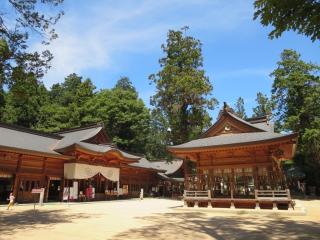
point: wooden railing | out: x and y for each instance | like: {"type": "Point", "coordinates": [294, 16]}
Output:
{"type": "Point", "coordinates": [197, 195]}
{"type": "Point", "coordinates": [273, 195]}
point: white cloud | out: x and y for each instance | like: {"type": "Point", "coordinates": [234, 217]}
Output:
{"type": "Point", "coordinates": [89, 36]}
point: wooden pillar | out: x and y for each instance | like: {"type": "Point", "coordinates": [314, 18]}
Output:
{"type": "Point", "coordinates": [46, 191]}
{"type": "Point", "coordinates": [16, 186]}
{"type": "Point", "coordinates": [198, 173]}
{"type": "Point", "coordinates": [185, 173]}
{"type": "Point", "coordinates": [45, 180]}
{"type": "Point", "coordinates": [17, 177]}
{"type": "Point", "coordinates": [255, 177]}
{"type": "Point", "coordinates": [232, 184]}
{"type": "Point", "coordinates": [61, 188]}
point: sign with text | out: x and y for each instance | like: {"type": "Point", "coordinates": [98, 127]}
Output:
{"type": "Point", "coordinates": [37, 190]}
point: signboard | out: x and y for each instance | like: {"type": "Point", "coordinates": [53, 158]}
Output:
{"type": "Point", "coordinates": [37, 190]}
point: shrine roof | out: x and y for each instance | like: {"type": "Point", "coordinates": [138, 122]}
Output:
{"type": "Point", "coordinates": [226, 140]}
{"type": "Point", "coordinates": [20, 138]}
{"type": "Point", "coordinates": [97, 148]}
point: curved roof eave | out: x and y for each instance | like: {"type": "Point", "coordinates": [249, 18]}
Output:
{"type": "Point", "coordinates": [244, 144]}
{"type": "Point", "coordinates": [80, 146]}
{"type": "Point", "coordinates": [203, 135]}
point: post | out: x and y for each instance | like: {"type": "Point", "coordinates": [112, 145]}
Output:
{"type": "Point", "coordinates": [209, 198]}
{"type": "Point", "coordinates": [118, 187]}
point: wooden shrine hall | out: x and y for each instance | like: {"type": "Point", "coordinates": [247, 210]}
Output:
{"type": "Point", "coordinates": [237, 163]}
{"type": "Point", "coordinates": [75, 164]}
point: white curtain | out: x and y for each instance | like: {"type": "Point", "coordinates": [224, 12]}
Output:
{"type": "Point", "coordinates": [85, 171]}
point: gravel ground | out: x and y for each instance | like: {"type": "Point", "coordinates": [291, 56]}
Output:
{"type": "Point", "coordinates": [151, 219]}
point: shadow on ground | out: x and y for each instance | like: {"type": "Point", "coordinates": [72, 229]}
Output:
{"type": "Point", "coordinates": [199, 226]}
{"type": "Point", "coordinates": [11, 221]}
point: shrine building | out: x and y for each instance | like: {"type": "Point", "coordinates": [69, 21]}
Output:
{"type": "Point", "coordinates": [75, 164]}
{"type": "Point", "coordinates": [237, 163]}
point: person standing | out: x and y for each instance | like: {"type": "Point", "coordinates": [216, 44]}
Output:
{"type": "Point", "coordinates": [11, 201]}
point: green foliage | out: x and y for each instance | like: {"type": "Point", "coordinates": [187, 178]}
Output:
{"type": "Point", "coordinates": [182, 89]}
{"type": "Point", "coordinates": [24, 99]}
{"type": "Point", "coordinates": [26, 17]}
{"type": "Point", "coordinates": [158, 137]}
{"type": "Point", "coordinates": [239, 109]}
{"type": "Point", "coordinates": [296, 97]}
{"type": "Point", "coordinates": [66, 106]}
{"type": "Point", "coordinates": [302, 16]}
{"type": "Point", "coordinates": [264, 106]}
{"type": "Point", "coordinates": [124, 114]}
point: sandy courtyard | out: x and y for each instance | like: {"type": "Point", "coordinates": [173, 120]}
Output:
{"type": "Point", "coordinates": [151, 219]}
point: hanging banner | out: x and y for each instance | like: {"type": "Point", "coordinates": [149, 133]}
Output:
{"type": "Point", "coordinates": [65, 195]}
{"type": "Point", "coordinates": [75, 190]}
{"type": "Point", "coordinates": [85, 171]}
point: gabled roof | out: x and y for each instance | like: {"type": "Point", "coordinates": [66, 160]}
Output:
{"type": "Point", "coordinates": [164, 168]}
{"type": "Point", "coordinates": [229, 140]}
{"type": "Point", "coordinates": [169, 167]}
{"type": "Point", "coordinates": [227, 116]}
{"type": "Point", "coordinates": [80, 135]}
{"type": "Point", "coordinates": [27, 140]}
{"type": "Point", "coordinates": [99, 149]}
{"type": "Point", "coordinates": [24, 139]}
{"type": "Point", "coordinates": [231, 131]}
{"type": "Point", "coordinates": [144, 163]}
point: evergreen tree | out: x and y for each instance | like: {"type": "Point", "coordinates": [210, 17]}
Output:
{"type": "Point", "coordinates": [264, 106]}
{"type": "Point", "coordinates": [124, 114]}
{"type": "Point", "coordinates": [302, 16]}
{"type": "Point", "coordinates": [239, 109]}
{"type": "Point", "coordinates": [25, 18]}
{"type": "Point", "coordinates": [182, 89]}
{"type": "Point", "coordinates": [296, 95]}
{"type": "Point", "coordinates": [24, 100]}
{"type": "Point", "coordinates": [66, 106]}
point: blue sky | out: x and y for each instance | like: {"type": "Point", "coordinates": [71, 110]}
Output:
{"type": "Point", "coordinates": [104, 40]}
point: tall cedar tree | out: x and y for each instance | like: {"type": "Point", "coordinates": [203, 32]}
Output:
{"type": "Point", "coordinates": [182, 89]}
{"type": "Point", "coordinates": [239, 108]}
{"type": "Point", "coordinates": [296, 95]}
{"type": "Point", "coordinates": [302, 16]}
{"type": "Point", "coordinates": [264, 106]}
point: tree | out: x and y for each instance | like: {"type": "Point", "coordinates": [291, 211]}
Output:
{"type": "Point", "coordinates": [124, 114]}
{"type": "Point", "coordinates": [24, 99]}
{"type": "Point", "coordinates": [28, 17]}
{"type": "Point", "coordinates": [296, 95]}
{"type": "Point", "coordinates": [158, 138]}
{"type": "Point", "coordinates": [66, 105]}
{"type": "Point", "coordinates": [239, 108]}
{"type": "Point", "coordinates": [182, 89]}
{"type": "Point", "coordinates": [125, 84]}
{"type": "Point", "coordinates": [302, 16]}
{"type": "Point", "coordinates": [264, 106]}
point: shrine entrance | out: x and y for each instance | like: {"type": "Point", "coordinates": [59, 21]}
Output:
{"type": "Point", "coordinates": [6, 185]}
{"type": "Point", "coordinates": [54, 190]}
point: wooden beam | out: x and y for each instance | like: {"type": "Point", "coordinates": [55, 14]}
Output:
{"type": "Point", "coordinates": [242, 165]}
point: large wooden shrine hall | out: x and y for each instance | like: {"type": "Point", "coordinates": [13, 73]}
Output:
{"type": "Point", "coordinates": [75, 164]}
{"type": "Point", "coordinates": [237, 163]}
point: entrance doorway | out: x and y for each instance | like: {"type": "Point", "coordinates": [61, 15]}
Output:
{"type": "Point", "coordinates": [6, 185]}
{"type": "Point", "coordinates": [54, 190]}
